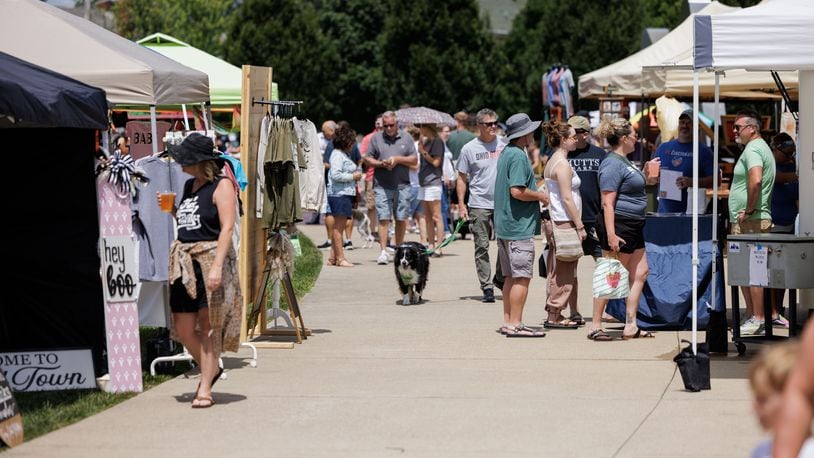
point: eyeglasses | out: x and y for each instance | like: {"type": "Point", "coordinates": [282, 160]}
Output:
{"type": "Point", "coordinates": [389, 125]}
{"type": "Point", "coordinates": [738, 128]}
{"type": "Point", "coordinates": [489, 124]}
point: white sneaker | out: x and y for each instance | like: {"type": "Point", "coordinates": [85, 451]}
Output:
{"type": "Point", "coordinates": [752, 327]}
{"type": "Point", "coordinates": [383, 258]}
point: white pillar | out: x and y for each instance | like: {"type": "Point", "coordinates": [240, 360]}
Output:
{"type": "Point", "coordinates": [805, 160]}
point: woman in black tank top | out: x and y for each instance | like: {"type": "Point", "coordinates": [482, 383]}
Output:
{"type": "Point", "coordinates": [206, 218]}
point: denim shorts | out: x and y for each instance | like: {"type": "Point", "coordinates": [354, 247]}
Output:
{"type": "Point", "coordinates": [341, 205]}
{"type": "Point", "coordinates": [390, 200]}
{"type": "Point", "coordinates": [415, 205]}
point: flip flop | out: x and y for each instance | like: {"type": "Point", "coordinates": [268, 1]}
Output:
{"type": "Point", "coordinates": [599, 335]}
{"type": "Point", "coordinates": [203, 402]}
{"type": "Point", "coordinates": [565, 323]}
{"type": "Point", "coordinates": [577, 318]}
{"type": "Point", "coordinates": [524, 331]}
{"type": "Point", "coordinates": [639, 335]}
{"type": "Point", "coordinates": [343, 263]}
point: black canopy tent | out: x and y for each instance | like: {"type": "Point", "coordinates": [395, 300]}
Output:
{"type": "Point", "coordinates": [52, 292]}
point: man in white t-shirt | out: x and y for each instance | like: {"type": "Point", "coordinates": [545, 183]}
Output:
{"type": "Point", "coordinates": [477, 166]}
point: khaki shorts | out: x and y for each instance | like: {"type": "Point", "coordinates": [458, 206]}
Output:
{"type": "Point", "coordinates": [516, 257]}
{"type": "Point", "coordinates": [370, 199]}
{"type": "Point", "coordinates": [752, 226]}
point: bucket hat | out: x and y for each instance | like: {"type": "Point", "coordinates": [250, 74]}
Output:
{"type": "Point", "coordinates": [194, 149]}
{"type": "Point", "coordinates": [520, 124]}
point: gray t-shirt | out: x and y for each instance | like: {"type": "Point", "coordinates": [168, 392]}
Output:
{"type": "Point", "coordinates": [154, 227]}
{"type": "Point", "coordinates": [479, 161]}
{"type": "Point", "coordinates": [383, 147]}
{"type": "Point", "coordinates": [617, 174]}
{"type": "Point", "coordinates": [427, 174]}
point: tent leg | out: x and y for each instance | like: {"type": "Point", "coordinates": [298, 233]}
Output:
{"type": "Point", "coordinates": [695, 213]}
{"type": "Point", "coordinates": [154, 129]}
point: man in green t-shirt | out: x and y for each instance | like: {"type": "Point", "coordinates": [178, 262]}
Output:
{"type": "Point", "coordinates": [750, 200]}
{"type": "Point", "coordinates": [460, 137]}
{"type": "Point", "coordinates": [517, 220]}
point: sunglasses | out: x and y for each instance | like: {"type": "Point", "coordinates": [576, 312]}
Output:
{"type": "Point", "coordinates": [389, 125]}
{"type": "Point", "coordinates": [580, 131]}
{"type": "Point", "coordinates": [489, 124]}
{"type": "Point", "coordinates": [737, 128]}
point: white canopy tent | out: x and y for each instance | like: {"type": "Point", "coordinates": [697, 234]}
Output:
{"type": "Point", "coordinates": [130, 74]}
{"type": "Point", "coordinates": [728, 41]}
{"type": "Point", "coordinates": [649, 71]}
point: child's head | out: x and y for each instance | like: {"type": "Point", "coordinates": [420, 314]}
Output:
{"type": "Point", "coordinates": [767, 376]}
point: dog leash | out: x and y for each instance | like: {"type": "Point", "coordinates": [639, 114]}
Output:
{"type": "Point", "coordinates": [449, 239]}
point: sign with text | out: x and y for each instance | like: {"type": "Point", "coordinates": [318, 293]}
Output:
{"type": "Point", "coordinates": [48, 370]}
{"type": "Point", "coordinates": [141, 137]}
{"type": "Point", "coordinates": [119, 269]}
{"type": "Point", "coordinates": [11, 422]}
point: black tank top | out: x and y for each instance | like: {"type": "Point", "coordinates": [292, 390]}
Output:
{"type": "Point", "coordinates": [197, 215]}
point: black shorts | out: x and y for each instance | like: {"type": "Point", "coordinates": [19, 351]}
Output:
{"type": "Point", "coordinates": [180, 302]}
{"type": "Point", "coordinates": [590, 246]}
{"type": "Point", "coordinates": [627, 229]}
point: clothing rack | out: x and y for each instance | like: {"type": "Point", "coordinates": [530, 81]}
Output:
{"type": "Point", "coordinates": [284, 108]}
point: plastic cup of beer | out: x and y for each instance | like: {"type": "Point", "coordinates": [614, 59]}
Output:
{"type": "Point", "coordinates": [654, 168]}
{"type": "Point", "coordinates": [166, 201]}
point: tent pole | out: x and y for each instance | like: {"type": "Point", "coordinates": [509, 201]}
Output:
{"type": "Point", "coordinates": [695, 212]}
{"type": "Point", "coordinates": [154, 129]}
{"type": "Point", "coordinates": [186, 120]}
{"type": "Point", "coordinates": [715, 185]}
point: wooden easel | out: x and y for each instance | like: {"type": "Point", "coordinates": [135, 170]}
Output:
{"type": "Point", "coordinates": [258, 310]}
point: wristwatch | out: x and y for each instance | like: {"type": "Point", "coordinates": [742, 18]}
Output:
{"type": "Point", "coordinates": [750, 212]}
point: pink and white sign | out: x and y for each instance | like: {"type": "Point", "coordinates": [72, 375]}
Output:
{"type": "Point", "coordinates": [121, 318]}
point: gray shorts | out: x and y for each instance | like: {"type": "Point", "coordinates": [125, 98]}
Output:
{"type": "Point", "coordinates": [516, 257]}
{"type": "Point", "coordinates": [390, 200]}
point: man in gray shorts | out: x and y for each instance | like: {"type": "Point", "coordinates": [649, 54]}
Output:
{"type": "Point", "coordinates": [391, 153]}
{"type": "Point", "coordinates": [517, 220]}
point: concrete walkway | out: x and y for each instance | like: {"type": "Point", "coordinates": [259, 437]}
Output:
{"type": "Point", "coordinates": [379, 379]}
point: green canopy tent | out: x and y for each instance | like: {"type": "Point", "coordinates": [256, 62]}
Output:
{"type": "Point", "coordinates": [225, 79]}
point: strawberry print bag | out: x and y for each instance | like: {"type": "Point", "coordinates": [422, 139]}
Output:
{"type": "Point", "coordinates": [610, 279]}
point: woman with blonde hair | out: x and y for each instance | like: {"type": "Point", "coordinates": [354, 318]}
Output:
{"type": "Point", "coordinates": [621, 224]}
{"type": "Point", "coordinates": [205, 294]}
{"type": "Point", "coordinates": [431, 150]}
{"type": "Point", "coordinates": [565, 208]}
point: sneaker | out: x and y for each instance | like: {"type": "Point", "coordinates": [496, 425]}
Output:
{"type": "Point", "coordinates": [327, 244]}
{"type": "Point", "coordinates": [383, 258]}
{"type": "Point", "coordinates": [391, 248]}
{"type": "Point", "coordinates": [348, 245]}
{"type": "Point", "coordinates": [488, 295]}
{"type": "Point", "coordinates": [780, 322]}
{"type": "Point", "coordinates": [752, 327]}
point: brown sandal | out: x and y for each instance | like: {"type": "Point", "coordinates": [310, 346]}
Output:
{"type": "Point", "coordinates": [200, 400]}
{"type": "Point", "coordinates": [599, 335]}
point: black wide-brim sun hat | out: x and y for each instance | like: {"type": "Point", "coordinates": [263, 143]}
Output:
{"type": "Point", "coordinates": [194, 149]}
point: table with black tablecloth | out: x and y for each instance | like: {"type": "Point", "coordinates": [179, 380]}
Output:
{"type": "Point", "coordinates": [666, 300]}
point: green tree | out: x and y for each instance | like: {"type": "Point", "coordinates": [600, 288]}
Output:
{"type": "Point", "coordinates": [353, 28]}
{"type": "Point", "coordinates": [286, 35]}
{"type": "Point", "coordinates": [201, 23]}
{"type": "Point", "coordinates": [664, 13]}
{"type": "Point", "coordinates": [437, 54]}
{"type": "Point", "coordinates": [583, 34]}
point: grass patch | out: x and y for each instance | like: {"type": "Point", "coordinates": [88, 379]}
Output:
{"type": "Point", "coordinates": [306, 271]}
{"type": "Point", "coordinates": [46, 411]}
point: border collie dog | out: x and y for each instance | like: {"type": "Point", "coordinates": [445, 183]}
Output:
{"type": "Point", "coordinates": [412, 265]}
